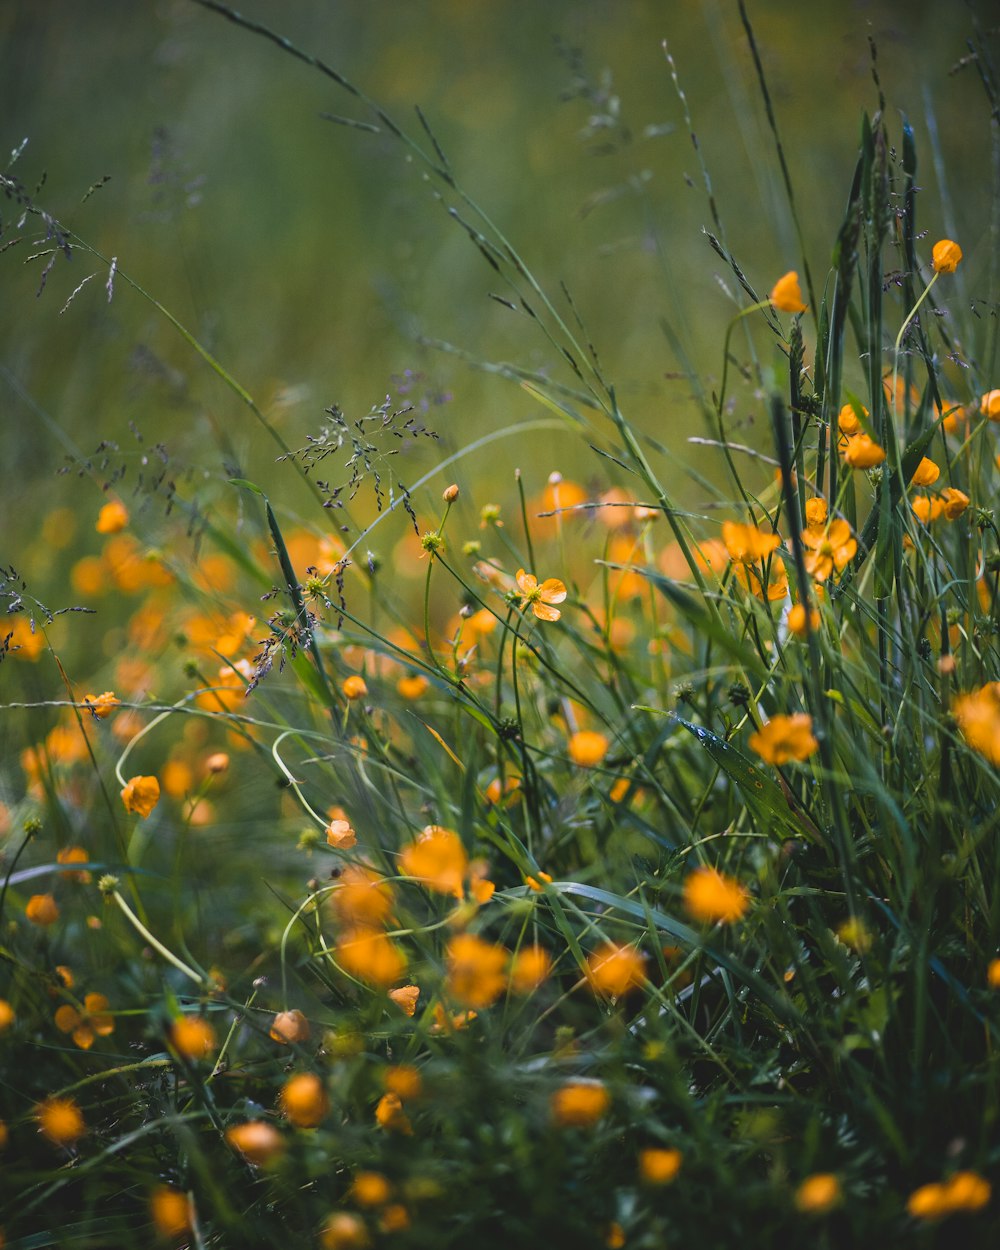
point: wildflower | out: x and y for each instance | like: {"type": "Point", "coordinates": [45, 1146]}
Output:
{"type": "Point", "coordinates": [112, 518]}
{"type": "Point", "coordinates": [926, 509]}
{"type": "Point", "coordinates": [540, 597]}
{"type": "Point", "coordinates": [395, 1218]}
{"type": "Point", "coordinates": [777, 580]}
{"type": "Point", "coordinates": [141, 795]}
{"type": "Point", "coordinates": [170, 1210]}
{"type": "Point", "coordinates": [60, 1120]}
{"type": "Point", "coordinates": [412, 686]}
{"type": "Point", "coordinates": [992, 977]}
{"type": "Point", "coordinates": [102, 705]}
{"type": "Point", "coordinates": [978, 716]}
{"type": "Point", "coordinates": [257, 1141]}
{"type": "Point", "coordinates": [193, 1037]}
{"type": "Point", "coordinates": [579, 1104]}
{"type": "Point", "coordinates": [848, 422]}
{"type": "Point", "coordinates": [587, 748]}
{"type": "Point", "coordinates": [854, 933]}
{"type": "Point", "coordinates": [362, 898]}
{"type": "Point", "coordinates": [403, 1080]}
{"type": "Point", "coordinates": [506, 794]}
{"type": "Point", "coordinates": [371, 1189]}
{"type": "Point", "coordinates": [437, 859]}
{"type": "Point", "coordinates": [816, 512]}
{"type": "Point", "coordinates": [445, 1023]}
{"type": "Point", "coordinates": [989, 405]}
{"type": "Point", "coordinates": [290, 1026]}
{"type": "Point", "coordinates": [489, 515]}
{"type": "Point", "coordinates": [303, 1100]}
{"type": "Point", "coordinates": [344, 1231]}
{"type": "Point", "coordinates": [945, 256]}
{"type": "Point", "coordinates": [954, 502]}
{"type": "Point", "coordinates": [475, 970]}
{"type": "Point", "coordinates": [659, 1166]}
{"type": "Point", "coordinates": [7, 1015]}
{"type": "Point", "coordinates": [389, 1114]}
{"type": "Point", "coordinates": [861, 452]}
{"type": "Point", "coordinates": [87, 1025]}
{"type": "Point", "coordinates": [785, 738]}
{"type": "Point", "coordinates": [531, 967]}
{"type": "Point", "coordinates": [614, 1236]}
{"type": "Point", "coordinates": [339, 834]}
{"type": "Point", "coordinates": [354, 687]}
{"type": "Point", "coordinates": [926, 473]}
{"type": "Point", "coordinates": [797, 621]}
{"type": "Point", "coordinates": [713, 898]}
{"type": "Point", "coordinates": [450, 493]}
{"type": "Point", "coordinates": [786, 294]}
{"type": "Point", "coordinates": [74, 855]}
{"type": "Point", "coordinates": [42, 909]}
{"type": "Point", "coordinates": [964, 1191]}
{"type": "Point", "coordinates": [746, 543]}
{"type": "Point", "coordinates": [818, 1194]}
{"type": "Point", "coordinates": [217, 762]}
{"type": "Point", "coordinates": [370, 955]}
{"type": "Point", "coordinates": [830, 548]}
{"type": "Point", "coordinates": [432, 543]}
{"type": "Point", "coordinates": [405, 998]}
{"type": "Point", "coordinates": [614, 969]}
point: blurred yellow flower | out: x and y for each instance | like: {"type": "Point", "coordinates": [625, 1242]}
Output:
{"type": "Point", "coordinates": [437, 859]}
{"type": "Point", "coordinates": [343, 1230]}
{"type": "Point", "coordinates": [257, 1141]}
{"type": "Point", "coordinates": [112, 518]}
{"type": "Point", "coordinates": [785, 738]}
{"type": "Point", "coordinates": [531, 967]}
{"type": "Point", "coordinates": [7, 1015]}
{"type": "Point", "coordinates": [746, 543]}
{"type": "Point", "coordinates": [102, 705]}
{"type": "Point", "coordinates": [304, 1100]}
{"type": "Point", "coordinates": [818, 1193]}
{"type": "Point", "coordinates": [403, 1080]}
{"type": "Point", "coordinates": [370, 1189]}
{"type": "Point", "coordinates": [964, 1191]}
{"type": "Point", "coordinates": [861, 452]}
{"type": "Point", "coordinates": [614, 970]}
{"type": "Point", "coordinates": [193, 1037]}
{"type": "Point", "coordinates": [786, 294]}
{"type": "Point", "coordinates": [993, 974]}
{"type": "Point", "coordinates": [658, 1165]}
{"type": "Point", "coordinates": [60, 1120]}
{"type": "Point", "coordinates": [713, 898]}
{"type": "Point", "coordinates": [87, 1025]}
{"type": "Point", "coordinates": [290, 1027]}
{"type": "Point", "coordinates": [141, 795]}
{"type": "Point", "coordinates": [389, 1114]}
{"type": "Point", "coordinates": [371, 956]}
{"type": "Point", "coordinates": [42, 909]}
{"type": "Point", "coordinates": [978, 716]}
{"type": "Point", "coordinates": [579, 1104]}
{"type": "Point", "coordinates": [540, 597]}
{"type": "Point", "coordinates": [361, 898]}
{"type": "Point", "coordinates": [816, 511]}
{"type": "Point", "coordinates": [475, 971]}
{"type": "Point", "coordinates": [405, 998]}
{"type": "Point", "coordinates": [339, 834]}
{"type": "Point", "coordinates": [587, 748]}
{"type": "Point", "coordinates": [354, 687]}
{"type": "Point", "coordinates": [989, 405]}
{"type": "Point", "coordinates": [170, 1210]}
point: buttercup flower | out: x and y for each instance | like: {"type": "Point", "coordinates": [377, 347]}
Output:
{"type": "Point", "coordinates": [304, 1100]}
{"type": "Point", "coordinates": [785, 738]}
{"type": "Point", "coordinates": [102, 705]}
{"type": "Point", "coordinates": [945, 256]}
{"type": "Point", "coordinates": [798, 623]}
{"type": "Point", "coordinates": [659, 1166]}
{"type": "Point", "coordinates": [848, 422]}
{"type": "Point", "coordinates": [816, 511]}
{"type": "Point", "coordinates": [978, 716]}
{"type": "Point", "coordinates": [714, 898]}
{"type": "Point", "coordinates": [60, 1120]}
{"type": "Point", "coordinates": [861, 452]}
{"type": "Point", "coordinates": [354, 687]}
{"type": "Point", "coordinates": [964, 1191]}
{"type": "Point", "coordinates": [614, 969]}
{"type": "Point", "coordinates": [389, 1114]}
{"type": "Point", "coordinates": [541, 597]}
{"type": "Point", "coordinates": [579, 1104]}
{"type": "Point", "coordinates": [989, 405]}
{"type": "Point", "coordinates": [818, 1193]}
{"type": "Point", "coordinates": [475, 971]}
{"type": "Point", "coordinates": [405, 998]}
{"type": "Point", "coordinates": [7, 1015]}
{"type": "Point", "coordinates": [141, 795]}
{"type": "Point", "coordinates": [371, 1189]}
{"type": "Point", "coordinates": [926, 473]}
{"type": "Point", "coordinates": [786, 294]}
{"type": "Point", "coordinates": [42, 909]}
{"type": "Point", "coordinates": [257, 1141]}
{"type": "Point", "coordinates": [403, 1080]}
{"type": "Point", "coordinates": [587, 748]}
{"type": "Point", "coordinates": [112, 518]}
{"type": "Point", "coordinates": [926, 509]}
{"type": "Point", "coordinates": [170, 1210]}
{"type": "Point", "coordinates": [746, 543]}
{"type": "Point", "coordinates": [437, 859]}
{"type": "Point", "coordinates": [344, 1231]}
{"type": "Point", "coordinates": [370, 955]}
{"type": "Point", "coordinates": [193, 1037]}
{"type": "Point", "coordinates": [830, 548]}
{"type": "Point", "coordinates": [532, 966]}
{"type": "Point", "coordinates": [954, 502]}
{"type": "Point", "coordinates": [361, 898]}
{"type": "Point", "coordinates": [87, 1025]}
{"type": "Point", "coordinates": [993, 974]}
{"type": "Point", "coordinates": [340, 835]}
{"type": "Point", "coordinates": [290, 1026]}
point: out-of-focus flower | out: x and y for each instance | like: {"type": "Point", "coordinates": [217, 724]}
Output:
{"type": "Point", "coordinates": [963, 1191]}
{"type": "Point", "coordinates": [786, 294]}
{"type": "Point", "coordinates": [170, 1210]}
{"type": "Point", "coordinates": [304, 1100]}
{"type": "Point", "coordinates": [193, 1037]}
{"type": "Point", "coordinates": [112, 518]}
{"type": "Point", "coordinates": [989, 405]}
{"type": "Point", "coordinates": [531, 967]}
{"type": "Point", "coordinates": [389, 1114]}
{"type": "Point", "coordinates": [339, 834]}
{"type": "Point", "coordinates": [141, 795]}
{"type": "Point", "coordinates": [818, 1194]}
{"type": "Point", "coordinates": [405, 998]}
{"type": "Point", "coordinates": [713, 898]}
{"type": "Point", "coordinates": [42, 909]}
{"type": "Point", "coordinates": [87, 1025]}
{"type": "Point", "coordinates": [101, 705]}
{"type": "Point", "coordinates": [659, 1165]}
{"type": "Point", "coordinates": [437, 859]}
{"type": "Point", "coordinates": [257, 1141]}
{"type": "Point", "coordinates": [785, 738]}
{"type": "Point", "coordinates": [587, 748]}
{"type": "Point", "coordinates": [579, 1104]}
{"type": "Point", "coordinates": [371, 956]}
{"type": "Point", "coordinates": [614, 969]}
{"type": "Point", "coordinates": [354, 687]}
{"type": "Point", "coordinates": [978, 716]}
{"type": "Point", "coordinates": [475, 971]}
{"type": "Point", "coordinates": [343, 1230]}
{"type": "Point", "coordinates": [290, 1027]}
{"type": "Point", "coordinates": [746, 543]}
{"type": "Point", "coordinates": [60, 1120]}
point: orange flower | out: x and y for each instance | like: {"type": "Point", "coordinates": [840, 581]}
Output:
{"type": "Point", "coordinates": [403, 1080]}
{"type": "Point", "coordinates": [989, 405]}
{"type": "Point", "coordinates": [475, 971]}
{"type": "Point", "coordinates": [714, 898]}
{"type": "Point", "coordinates": [785, 738]}
{"type": "Point", "coordinates": [777, 579]}
{"type": "Point", "coordinates": [818, 1194]}
{"type": "Point", "coordinates": [926, 473]}
{"type": "Point", "coordinates": [389, 1114]}
{"type": "Point", "coordinates": [303, 1100]}
{"type": "Point", "coordinates": [848, 422]}
{"type": "Point", "coordinates": [540, 597]}
{"type": "Point", "coordinates": [659, 1166]}
{"type": "Point", "coordinates": [614, 969]}
{"type": "Point", "coordinates": [964, 1191]}
{"type": "Point", "coordinates": [993, 974]}
{"type": "Point", "coordinates": [257, 1141]}
{"type": "Point", "coordinates": [412, 686]}
{"type": "Point", "coordinates": [112, 518]}
{"type": "Point", "coordinates": [579, 1104]}
{"type": "Point", "coordinates": [532, 966]}
{"type": "Point", "coordinates": [102, 705]}
{"type": "Point", "coordinates": [42, 909]}
{"type": "Point", "coordinates": [141, 795]}
{"type": "Point", "coordinates": [60, 1120]}
{"type": "Point", "coordinates": [362, 897]}
{"type": "Point", "coordinates": [354, 687]}
{"type": "Point", "coordinates": [945, 256]}
{"type": "Point", "coordinates": [830, 548]}
{"type": "Point", "coordinates": [344, 1231]}
{"type": "Point", "coordinates": [170, 1210]}
{"type": "Point", "coordinates": [797, 623]}
{"type": "Point", "coordinates": [87, 1025]}
{"type": "Point", "coordinates": [978, 716]}
{"type": "Point", "coordinates": [786, 294]}
{"type": "Point", "coordinates": [954, 502]}
{"type": "Point", "coordinates": [437, 859]}
{"type": "Point", "coordinates": [193, 1037]}
{"type": "Point", "coordinates": [7, 1015]}
{"type": "Point", "coordinates": [370, 955]}
{"type": "Point", "coordinates": [290, 1026]}
{"type": "Point", "coordinates": [74, 855]}
{"type": "Point", "coordinates": [816, 511]}
{"type": "Point", "coordinates": [371, 1189]}
{"type": "Point", "coordinates": [339, 834]}
{"type": "Point", "coordinates": [405, 998]}
{"type": "Point", "coordinates": [862, 453]}
{"type": "Point", "coordinates": [926, 509]}
{"type": "Point", "coordinates": [746, 543]}
{"type": "Point", "coordinates": [587, 748]}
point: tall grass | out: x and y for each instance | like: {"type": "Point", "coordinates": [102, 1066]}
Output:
{"type": "Point", "coordinates": [639, 883]}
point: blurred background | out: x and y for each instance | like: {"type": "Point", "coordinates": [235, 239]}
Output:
{"type": "Point", "coordinates": [316, 261]}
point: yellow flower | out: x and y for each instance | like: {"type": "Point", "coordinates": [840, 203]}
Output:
{"type": "Point", "coordinates": [389, 1114]}
{"type": "Point", "coordinates": [170, 1210]}
{"type": "Point", "coordinates": [370, 955]}
{"type": "Point", "coordinates": [862, 453]}
{"type": "Point", "coordinates": [60, 1120]}
{"type": "Point", "coordinates": [797, 621]}
{"type": "Point", "coordinates": [141, 795]}
{"type": "Point", "coordinates": [532, 966]}
{"type": "Point", "coordinates": [74, 855]}
{"type": "Point", "coordinates": [978, 716]}
{"type": "Point", "coordinates": [403, 1080]}
{"type": "Point", "coordinates": [42, 909]}
{"type": "Point", "coordinates": [193, 1037]}
{"type": "Point", "coordinates": [926, 509]}
{"type": "Point", "coordinates": [87, 1025]}
{"type": "Point", "coordinates": [475, 971]}
{"type": "Point", "coordinates": [587, 748]}
{"type": "Point", "coordinates": [785, 738]}
{"type": "Point", "coordinates": [437, 859]}
{"type": "Point", "coordinates": [786, 294]}
{"type": "Point", "coordinates": [829, 548]}
{"type": "Point", "coordinates": [256, 1140]}
{"type": "Point", "coordinates": [746, 543]}
{"type": "Point", "coordinates": [344, 1231]}
{"type": "Point", "coordinates": [614, 969]}
{"type": "Point", "coordinates": [818, 1193]}
{"type": "Point", "coordinates": [579, 1104]}
{"type": "Point", "coordinates": [405, 998]}
{"type": "Point", "coordinates": [540, 597]}
{"type": "Point", "coordinates": [362, 898]}
{"type": "Point", "coordinates": [964, 1191]}
{"type": "Point", "coordinates": [101, 705]}
{"type": "Point", "coordinates": [816, 511]}
{"type": "Point", "coordinates": [926, 473]}
{"type": "Point", "coordinates": [848, 422]}
{"type": "Point", "coordinates": [395, 1218]}
{"type": "Point", "coordinates": [713, 898]}
{"type": "Point", "coordinates": [659, 1166]}
{"type": "Point", "coordinates": [412, 686]}
{"type": "Point", "coordinates": [945, 256]}
{"type": "Point", "coordinates": [989, 405]}
{"type": "Point", "coordinates": [371, 1189]}
{"type": "Point", "coordinates": [112, 518]}
{"type": "Point", "coordinates": [7, 1015]}
{"type": "Point", "coordinates": [993, 974]}
{"type": "Point", "coordinates": [777, 580]}
{"type": "Point", "coordinates": [339, 834]}
{"type": "Point", "coordinates": [954, 502]}
{"type": "Point", "coordinates": [290, 1026]}
{"type": "Point", "coordinates": [303, 1100]}
{"type": "Point", "coordinates": [354, 687]}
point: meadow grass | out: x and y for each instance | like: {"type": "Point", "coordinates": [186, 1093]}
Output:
{"type": "Point", "coordinates": [638, 880]}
